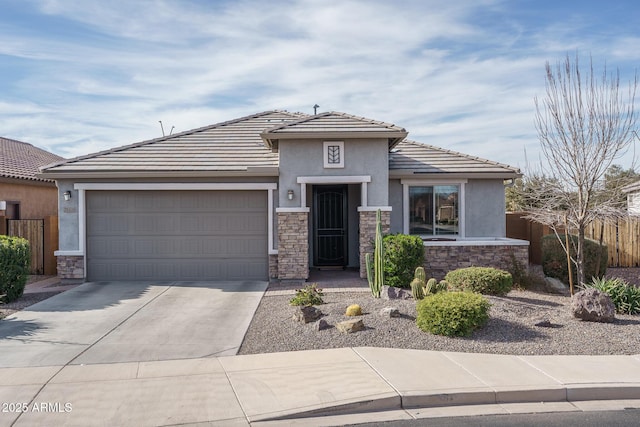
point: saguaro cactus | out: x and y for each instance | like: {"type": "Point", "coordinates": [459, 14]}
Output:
{"type": "Point", "coordinates": [376, 282]}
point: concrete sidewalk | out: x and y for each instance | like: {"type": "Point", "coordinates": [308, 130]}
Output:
{"type": "Point", "coordinates": [319, 387]}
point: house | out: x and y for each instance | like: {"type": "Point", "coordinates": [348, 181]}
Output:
{"type": "Point", "coordinates": [270, 196]}
{"type": "Point", "coordinates": [26, 196]}
{"type": "Point", "coordinates": [633, 197]}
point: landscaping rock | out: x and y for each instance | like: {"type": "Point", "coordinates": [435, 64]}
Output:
{"type": "Point", "coordinates": [350, 326]}
{"type": "Point", "coordinates": [307, 314]}
{"type": "Point", "coordinates": [390, 312]}
{"type": "Point", "coordinates": [593, 305]}
{"type": "Point", "coordinates": [556, 286]}
{"type": "Point", "coordinates": [390, 293]}
{"type": "Point", "coordinates": [321, 325]}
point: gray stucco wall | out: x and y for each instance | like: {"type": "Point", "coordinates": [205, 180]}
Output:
{"type": "Point", "coordinates": [395, 201]}
{"type": "Point", "coordinates": [484, 208]}
{"type": "Point", "coordinates": [68, 218]}
{"type": "Point", "coordinates": [362, 157]}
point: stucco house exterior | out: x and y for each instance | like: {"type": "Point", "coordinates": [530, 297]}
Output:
{"type": "Point", "coordinates": [271, 195]}
{"type": "Point", "coordinates": [26, 196]}
{"type": "Point", "coordinates": [633, 197]}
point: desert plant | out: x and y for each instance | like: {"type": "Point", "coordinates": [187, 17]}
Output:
{"type": "Point", "coordinates": [625, 297]}
{"type": "Point", "coordinates": [554, 258]}
{"type": "Point", "coordinates": [433, 286]}
{"type": "Point", "coordinates": [309, 295]}
{"type": "Point", "coordinates": [483, 280]}
{"type": "Point", "coordinates": [353, 310]}
{"type": "Point", "coordinates": [452, 313]}
{"type": "Point", "coordinates": [417, 288]}
{"type": "Point", "coordinates": [403, 254]}
{"type": "Point", "coordinates": [419, 273]}
{"type": "Point", "coordinates": [15, 258]}
{"type": "Point", "coordinates": [375, 272]}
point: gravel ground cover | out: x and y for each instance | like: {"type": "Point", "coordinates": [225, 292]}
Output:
{"type": "Point", "coordinates": [26, 299]}
{"type": "Point", "coordinates": [510, 330]}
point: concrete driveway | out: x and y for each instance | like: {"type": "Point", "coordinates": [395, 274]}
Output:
{"type": "Point", "coordinates": [107, 322]}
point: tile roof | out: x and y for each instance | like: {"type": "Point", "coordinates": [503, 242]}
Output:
{"type": "Point", "coordinates": [336, 124]}
{"type": "Point", "coordinates": [228, 146]}
{"type": "Point", "coordinates": [22, 161]}
{"type": "Point", "coordinates": [417, 158]}
{"type": "Point", "coordinates": [240, 146]}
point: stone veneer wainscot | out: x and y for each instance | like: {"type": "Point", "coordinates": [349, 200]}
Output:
{"type": "Point", "coordinates": [441, 257]}
{"type": "Point", "coordinates": [293, 245]}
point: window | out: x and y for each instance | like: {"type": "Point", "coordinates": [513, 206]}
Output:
{"type": "Point", "coordinates": [434, 210]}
{"type": "Point", "coordinates": [333, 154]}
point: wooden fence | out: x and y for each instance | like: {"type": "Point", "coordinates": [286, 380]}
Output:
{"type": "Point", "coordinates": [622, 238]}
{"type": "Point", "coordinates": [33, 231]}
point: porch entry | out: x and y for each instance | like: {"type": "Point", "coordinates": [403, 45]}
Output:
{"type": "Point", "coordinates": [330, 225]}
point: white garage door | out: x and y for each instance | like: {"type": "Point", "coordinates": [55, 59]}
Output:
{"type": "Point", "coordinates": [177, 235]}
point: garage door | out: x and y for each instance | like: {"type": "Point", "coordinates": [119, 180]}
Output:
{"type": "Point", "coordinates": [177, 235]}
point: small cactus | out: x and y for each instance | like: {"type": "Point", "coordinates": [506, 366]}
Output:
{"type": "Point", "coordinates": [431, 287]}
{"type": "Point", "coordinates": [417, 286]}
{"type": "Point", "coordinates": [420, 274]}
{"type": "Point", "coordinates": [353, 310]}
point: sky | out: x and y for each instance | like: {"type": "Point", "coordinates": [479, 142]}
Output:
{"type": "Point", "coordinates": [81, 76]}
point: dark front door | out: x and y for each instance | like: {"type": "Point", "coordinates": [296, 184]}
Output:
{"type": "Point", "coordinates": [330, 225]}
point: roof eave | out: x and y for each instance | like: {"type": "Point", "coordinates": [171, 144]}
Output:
{"type": "Point", "coordinates": [138, 174]}
{"type": "Point", "coordinates": [417, 174]}
{"type": "Point", "coordinates": [395, 137]}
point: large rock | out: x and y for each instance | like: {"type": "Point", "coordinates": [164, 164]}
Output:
{"type": "Point", "coordinates": [556, 286]}
{"type": "Point", "coordinates": [349, 326]}
{"type": "Point", "coordinates": [307, 314]}
{"type": "Point", "coordinates": [593, 305]}
{"type": "Point", "coordinates": [391, 292]}
{"type": "Point", "coordinates": [390, 312]}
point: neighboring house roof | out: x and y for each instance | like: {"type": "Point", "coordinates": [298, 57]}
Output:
{"type": "Point", "coordinates": [248, 146]}
{"type": "Point", "coordinates": [630, 188]}
{"type": "Point", "coordinates": [20, 160]}
{"type": "Point", "coordinates": [411, 157]}
{"type": "Point", "coordinates": [335, 125]}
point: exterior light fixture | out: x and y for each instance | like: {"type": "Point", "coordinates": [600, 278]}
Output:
{"type": "Point", "coordinates": [290, 194]}
{"type": "Point", "coordinates": [67, 195]}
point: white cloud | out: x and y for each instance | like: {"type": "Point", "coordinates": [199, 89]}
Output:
{"type": "Point", "coordinates": [459, 76]}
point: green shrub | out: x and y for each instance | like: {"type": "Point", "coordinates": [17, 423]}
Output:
{"type": "Point", "coordinates": [625, 297]}
{"type": "Point", "coordinates": [452, 313]}
{"type": "Point", "coordinates": [309, 295]}
{"type": "Point", "coordinates": [15, 257]}
{"type": "Point", "coordinates": [483, 280]}
{"type": "Point", "coordinates": [554, 259]}
{"type": "Point", "coordinates": [402, 255]}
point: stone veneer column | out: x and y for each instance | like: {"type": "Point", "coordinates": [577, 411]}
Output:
{"type": "Point", "coordinates": [293, 245]}
{"type": "Point", "coordinates": [70, 267]}
{"type": "Point", "coordinates": [368, 233]}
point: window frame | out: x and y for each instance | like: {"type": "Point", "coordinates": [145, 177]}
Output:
{"type": "Point", "coordinates": [460, 183]}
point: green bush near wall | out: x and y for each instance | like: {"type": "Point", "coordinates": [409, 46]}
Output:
{"type": "Point", "coordinates": [15, 259]}
{"type": "Point", "coordinates": [483, 280]}
{"type": "Point", "coordinates": [402, 255]}
{"type": "Point", "coordinates": [554, 258]}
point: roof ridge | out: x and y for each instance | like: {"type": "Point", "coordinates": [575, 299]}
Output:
{"type": "Point", "coordinates": [333, 113]}
{"type": "Point", "coordinates": [468, 156]}
{"type": "Point", "coordinates": [166, 137]}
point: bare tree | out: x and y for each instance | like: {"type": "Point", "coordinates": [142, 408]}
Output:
{"type": "Point", "coordinates": [584, 125]}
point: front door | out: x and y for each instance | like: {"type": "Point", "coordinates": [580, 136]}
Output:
{"type": "Point", "coordinates": [330, 225]}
